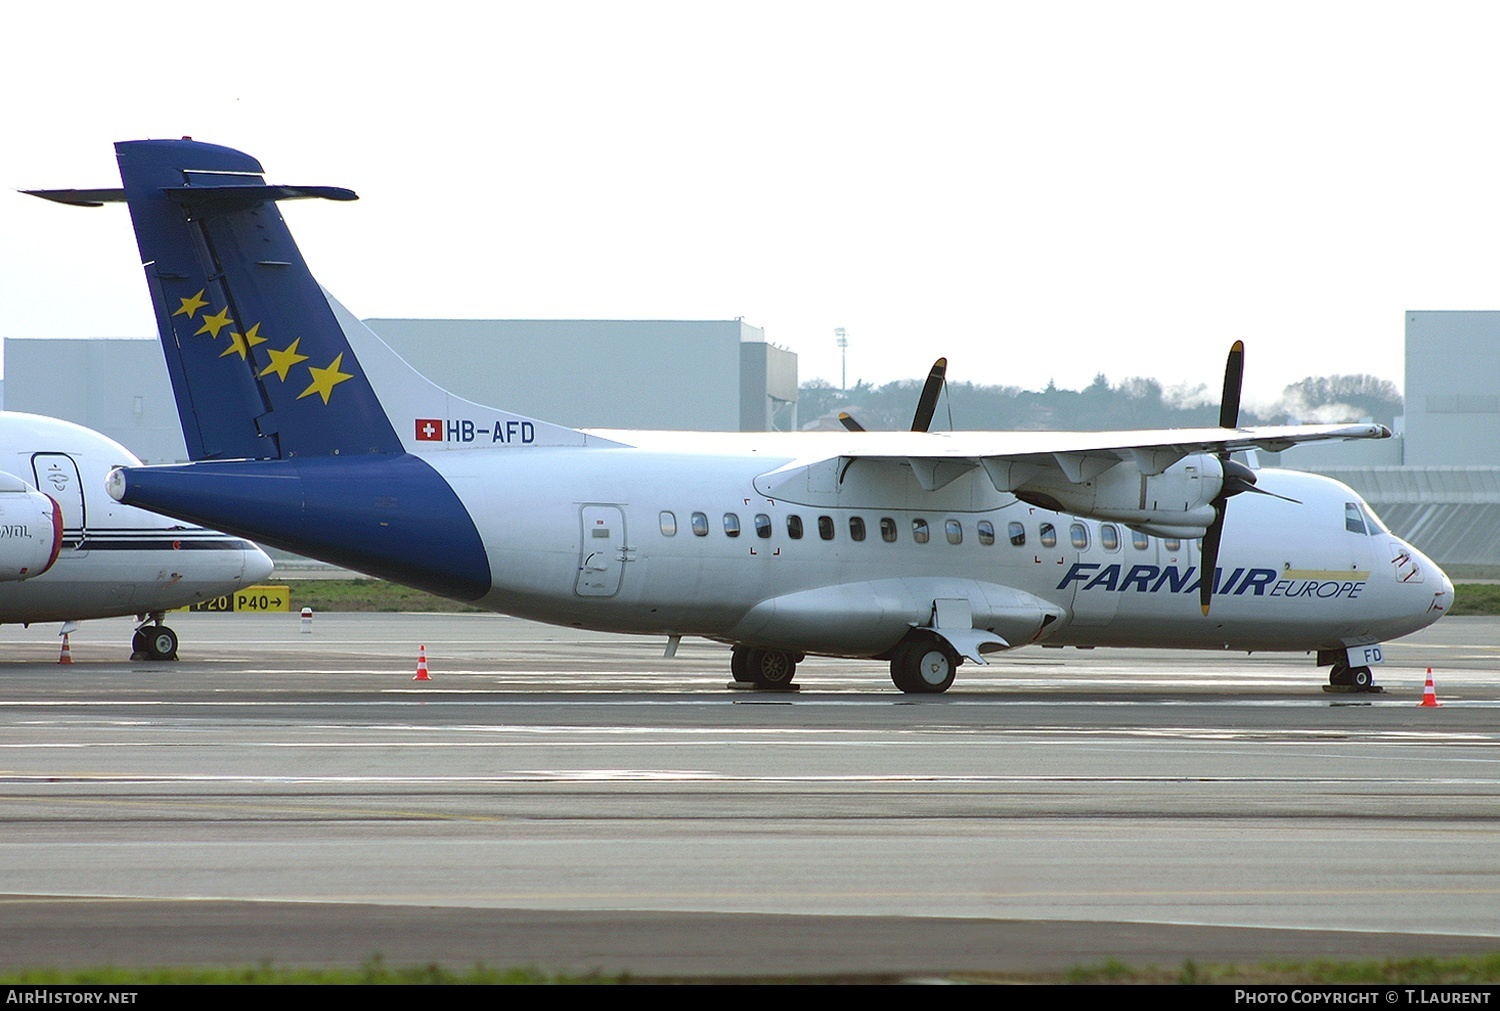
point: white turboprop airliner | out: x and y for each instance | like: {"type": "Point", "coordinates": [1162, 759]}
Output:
{"type": "Point", "coordinates": [69, 552]}
{"type": "Point", "coordinates": [926, 549]}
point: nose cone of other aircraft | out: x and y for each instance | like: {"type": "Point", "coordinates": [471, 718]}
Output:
{"type": "Point", "coordinates": [258, 564]}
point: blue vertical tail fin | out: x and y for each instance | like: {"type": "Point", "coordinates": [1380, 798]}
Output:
{"type": "Point", "coordinates": [264, 364]}
{"type": "Point", "coordinates": [259, 365]}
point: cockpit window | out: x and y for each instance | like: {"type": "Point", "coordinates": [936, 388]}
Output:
{"type": "Point", "coordinates": [1354, 520]}
{"type": "Point", "coordinates": [1375, 523]}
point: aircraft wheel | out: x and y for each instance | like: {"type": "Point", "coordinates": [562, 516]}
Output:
{"type": "Point", "coordinates": [161, 642]}
{"type": "Point", "coordinates": [739, 664]}
{"type": "Point", "coordinates": [771, 668]}
{"type": "Point", "coordinates": [923, 666]}
{"type": "Point", "coordinates": [1340, 676]}
{"type": "Point", "coordinates": [1361, 677]}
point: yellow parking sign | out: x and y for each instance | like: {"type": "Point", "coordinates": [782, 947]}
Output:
{"type": "Point", "coordinates": [254, 599]}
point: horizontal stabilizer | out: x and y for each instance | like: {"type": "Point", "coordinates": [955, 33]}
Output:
{"type": "Point", "coordinates": [80, 198]}
{"type": "Point", "coordinates": [215, 197]}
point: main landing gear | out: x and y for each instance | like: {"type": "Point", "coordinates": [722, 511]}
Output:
{"type": "Point", "coordinates": [154, 641]}
{"type": "Point", "coordinates": [924, 665]}
{"type": "Point", "coordinates": [1359, 679]}
{"type": "Point", "coordinates": [764, 668]}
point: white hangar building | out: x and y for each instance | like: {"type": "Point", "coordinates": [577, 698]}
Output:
{"type": "Point", "coordinates": [1438, 483]}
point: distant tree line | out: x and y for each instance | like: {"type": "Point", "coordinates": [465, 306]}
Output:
{"type": "Point", "coordinates": [1132, 403]}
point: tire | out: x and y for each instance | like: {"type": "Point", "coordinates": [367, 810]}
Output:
{"type": "Point", "coordinates": [924, 666]}
{"type": "Point", "coordinates": [739, 664]}
{"type": "Point", "coordinates": [161, 643]}
{"type": "Point", "coordinates": [1361, 677]}
{"type": "Point", "coordinates": [771, 668]}
{"type": "Point", "coordinates": [1340, 677]}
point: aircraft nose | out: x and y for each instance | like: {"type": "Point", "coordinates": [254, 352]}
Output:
{"type": "Point", "coordinates": [258, 564]}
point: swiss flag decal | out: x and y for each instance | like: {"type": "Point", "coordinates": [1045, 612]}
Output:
{"type": "Point", "coordinates": [429, 430]}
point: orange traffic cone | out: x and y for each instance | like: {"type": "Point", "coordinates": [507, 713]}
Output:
{"type": "Point", "coordinates": [1429, 696]}
{"type": "Point", "coordinates": [67, 654]}
{"type": "Point", "coordinates": [421, 665]}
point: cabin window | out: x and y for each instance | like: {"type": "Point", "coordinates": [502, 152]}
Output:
{"type": "Point", "coordinates": [762, 525]}
{"type": "Point", "coordinates": [1048, 535]}
{"type": "Point", "coordinates": [825, 527]}
{"type": "Point", "coordinates": [919, 532]}
{"type": "Point", "coordinates": [732, 524]}
{"type": "Point", "coordinates": [1017, 534]}
{"type": "Point", "coordinates": [794, 527]}
{"type": "Point", "coordinates": [887, 529]}
{"type": "Point", "coordinates": [700, 524]}
{"type": "Point", "coordinates": [1354, 521]}
{"type": "Point", "coordinates": [1079, 534]}
{"type": "Point", "coordinates": [668, 524]}
{"type": "Point", "coordinates": [1172, 544]}
{"type": "Point", "coordinates": [1139, 541]}
{"type": "Point", "coordinates": [857, 528]}
{"type": "Point", "coordinates": [955, 531]}
{"type": "Point", "coordinates": [986, 532]}
{"type": "Point", "coordinates": [1109, 537]}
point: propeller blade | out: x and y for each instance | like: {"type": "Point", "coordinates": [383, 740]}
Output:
{"type": "Point", "coordinates": [1262, 491]}
{"type": "Point", "coordinates": [1209, 563]}
{"type": "Point", "coordinates": [850, 423]}
{"type": "Point", "coordinates": [1234, 377]}
{"type": "Point", "coordinates": [930, 390]}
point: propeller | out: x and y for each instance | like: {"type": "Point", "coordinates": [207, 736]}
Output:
{"type": "Point", "coordinates": [926, 403]}
{"type": "Point", "coordinates": [1237, 477]}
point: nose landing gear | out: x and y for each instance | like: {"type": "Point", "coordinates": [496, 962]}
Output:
{"type": "Point", "coordinates": [154, 641]}
{"type": "Point", "coordinates": [1352, 679]}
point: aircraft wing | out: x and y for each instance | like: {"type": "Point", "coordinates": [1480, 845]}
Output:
{"type": "Point", "coordinates": [1171, 482]}
{"type": "Point", "coordinates": [1013, 459]}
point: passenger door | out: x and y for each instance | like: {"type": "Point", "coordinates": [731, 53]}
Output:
{"type": "Point", "coordinates": [602, 552]}
{"type": "Point", "coordinates": [57, 475]}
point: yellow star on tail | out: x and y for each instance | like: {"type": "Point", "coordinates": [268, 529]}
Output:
{"type": "Point", "coordinates": [190, 306]}
{"type": "Point", "coordinates": [241, 343]}
{"type": "Point", "coordinates": [282, 361]}
{"type": "Point", "coordinates": [213, 324]}
{"type": "Point", "coordinates": [324, 380]}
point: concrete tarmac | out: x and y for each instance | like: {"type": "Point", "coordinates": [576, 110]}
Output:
{"type": "Point", "coordinates": [578, 802]}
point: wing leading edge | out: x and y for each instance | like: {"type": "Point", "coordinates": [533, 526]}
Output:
{"type": "Point", "coordinates": [1009, 459]}
{"type": "Point", "coordinates": [1161, 481]}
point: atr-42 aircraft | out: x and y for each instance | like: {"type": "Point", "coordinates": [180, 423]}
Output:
{"type": "Point", "coordinates": [68, 552]}
{"type": "Point", "coordinates": [923, 548]}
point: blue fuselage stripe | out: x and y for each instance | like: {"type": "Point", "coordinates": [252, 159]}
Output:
{"type": "Point", "coordinates": [387, 515]}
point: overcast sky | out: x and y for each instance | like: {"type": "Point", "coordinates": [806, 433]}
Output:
{"type": "Point", "coordinates": [1039, 191]}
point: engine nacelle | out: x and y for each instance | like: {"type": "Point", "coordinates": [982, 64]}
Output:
{"type": "Point", "coordinates": [1178, 502]}
{"type": "Point", "coordinates": [31, 527]}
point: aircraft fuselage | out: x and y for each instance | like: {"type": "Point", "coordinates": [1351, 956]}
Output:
{"type": "Point", "coordinates": [616, 545]}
